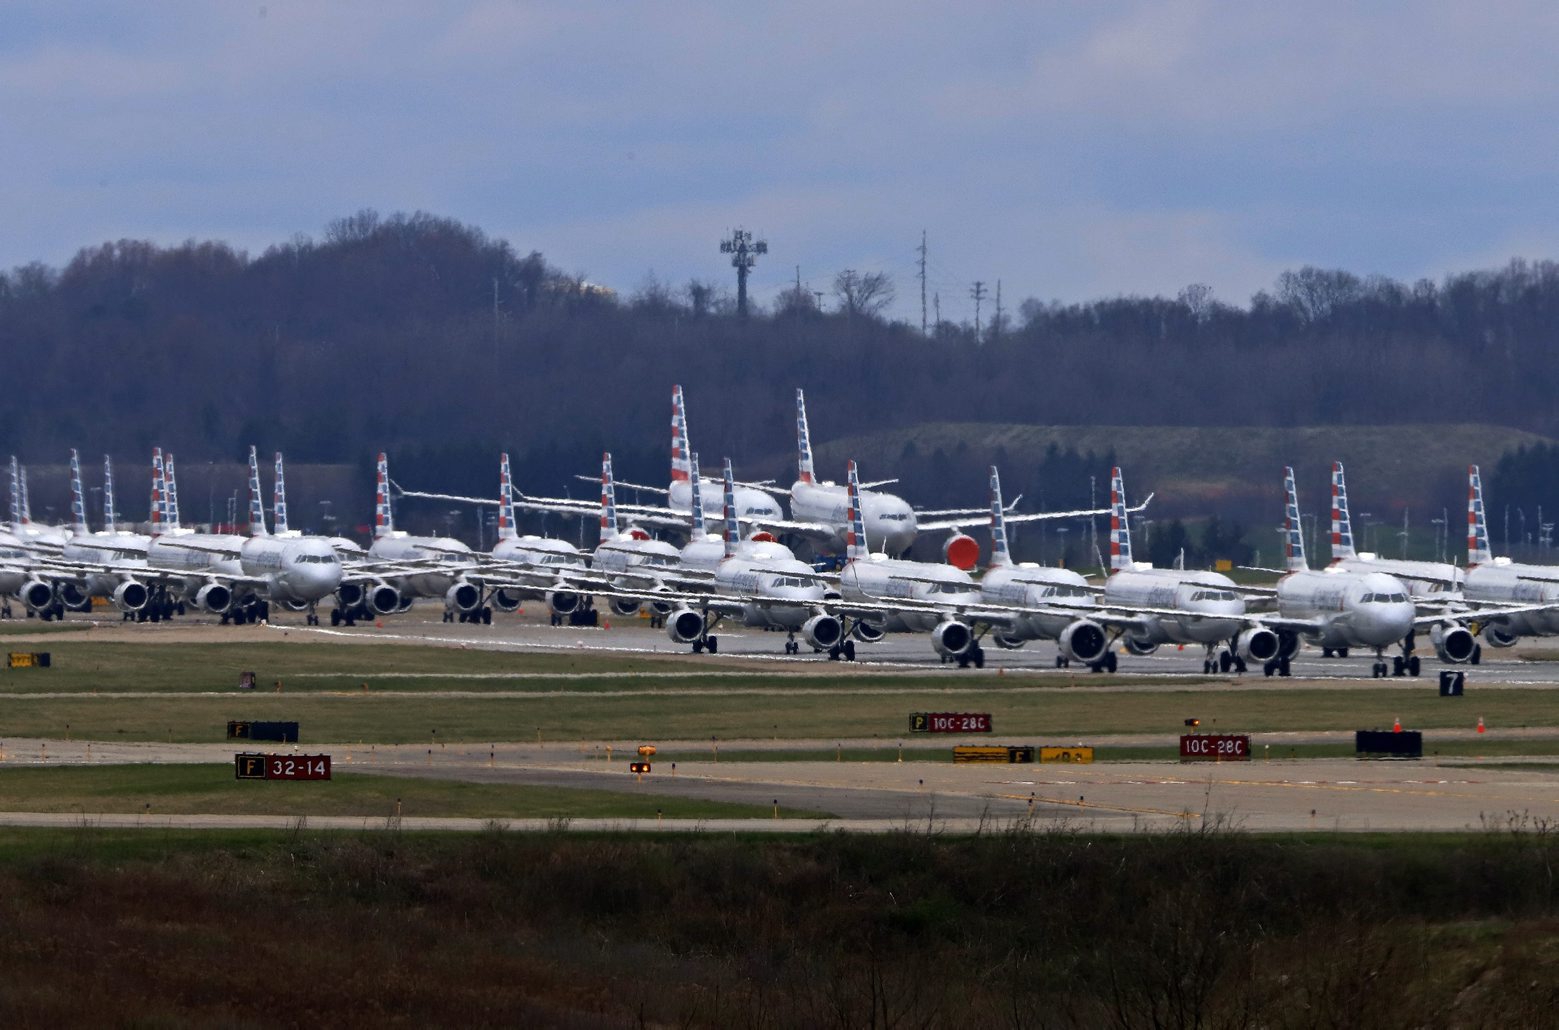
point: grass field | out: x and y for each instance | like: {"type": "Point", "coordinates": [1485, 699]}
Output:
{"type": "Point", "coordinates": [187, 789]}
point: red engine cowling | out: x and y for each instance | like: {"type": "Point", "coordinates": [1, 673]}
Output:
{"type": "Point", "coordinates": [962, 551]}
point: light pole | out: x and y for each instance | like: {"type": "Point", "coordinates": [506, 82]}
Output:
{"type": "Point", "coordinates": [1364, 520]}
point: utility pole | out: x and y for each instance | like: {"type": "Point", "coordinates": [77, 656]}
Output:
{"type": "Point", "coordinates": [744, 251]}
{"type": "Point", "coordinates": [922, 282]}
{"type": "Point", "coordinates": [996, 323]}
{"type": "Point", "coordinates": [978, 293]}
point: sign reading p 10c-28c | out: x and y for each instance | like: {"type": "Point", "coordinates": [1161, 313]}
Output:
{"type": "Point", "coordinates": [1215, 747]}
{"type": "Point", "coordinates": [950, 722]}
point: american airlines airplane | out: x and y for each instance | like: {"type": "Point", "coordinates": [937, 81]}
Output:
{"type": "Point", "coordinates": [129, 587]}
{"type": "Point", "coordinates": [1048, 592]}
{"type": "Point", "coordinates": [1500, 581]}
{"type": "Point", "coordinates": [1342, 608]}
{"type": "Point", "coordinates": [757, 582]}
{"type": "Point", "coordinates": [873, 585]}
{"type": "Point", "coordinates": [1172, 606]}
{"type": "Point", "coordinates": [439, 565]}
{"type": "Point", "coordinates": [38, 537]}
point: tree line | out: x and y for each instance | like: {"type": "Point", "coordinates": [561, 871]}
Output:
{"type": "Point", "coordinates": [428, 338]}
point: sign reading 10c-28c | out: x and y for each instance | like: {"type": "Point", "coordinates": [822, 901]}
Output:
{"type": "Point", "coordinates": [950, 722]}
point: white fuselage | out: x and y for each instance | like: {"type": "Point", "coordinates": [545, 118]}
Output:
{"type": "Point", "coordinates": [1368, 609]}
{"type": "Point", "coordinates": [880, 579]}
{"type": "Point", "coordinates": [751, 503]}
{"type": "Point", "coordinates": [1029, 585]}
{"type": "Point", "coordinates": [1438, 580]}
{"type": "Point", "coordinates": [1502, 582]}
{"type": "Point", "coordinates": [16, 559]}
{"type": "Point", "coordinates": [300, 569]}
{"type": "Point", "coordinates": [707, 553]}
{"type": "Point", "coordinates": [544, 560]}
{"type": "Point", "coordinates": [192, 554]}
{"type": "Point", "coordinates": [401, 547]}
{"type": "Point", "coordinates": [635, 559]}
{"type": "Point", "coordinates": [783, 592]}
{"type": "Point", "coordinates": [128, 551]}
{"type": "Point", "coordinates": [1209, 595]}
{"type": "Point", "coordinates": [889, 520]}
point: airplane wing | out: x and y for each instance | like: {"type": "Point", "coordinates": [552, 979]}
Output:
{"type": "Point", "coordinates": [975, 515]}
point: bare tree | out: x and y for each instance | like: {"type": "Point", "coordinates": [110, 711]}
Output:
{"type": "Point", "coordinates": [863, 293]}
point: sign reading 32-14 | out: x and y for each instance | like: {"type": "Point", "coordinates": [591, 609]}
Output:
{"type": "Point", "coordinates": [950, 722]}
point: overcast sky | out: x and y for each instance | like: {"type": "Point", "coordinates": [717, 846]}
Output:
{"type": "Point", "coordinates": [1073, 151]}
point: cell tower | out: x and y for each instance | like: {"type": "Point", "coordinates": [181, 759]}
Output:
{"type": "Point", "coordinates": [744, 253]}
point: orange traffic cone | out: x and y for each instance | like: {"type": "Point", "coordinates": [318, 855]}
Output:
{"type": "Point", "coordinates": [1396, 727]}
{"type": "Point", "coordinates": [606, 625]}
{"type": "Point", "coordinates": [1480, 724]}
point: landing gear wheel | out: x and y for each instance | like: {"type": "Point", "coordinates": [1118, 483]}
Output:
{"type": "Point", "coordinates": [698, 647]}
{"type": "Point", "coordinates": [1207, 665]}
{"type": "Point", "coordinates": [1060, 662]}
{"type": "Point", "coordinates": [1225, 661]}
{"type": "Point", "coordinates": [713, 643]}
{"type": "Point", "coordinates": [1327, 652]}
{"type": "Point", "coordinates": [1412, 665]}
{"type": "Point", "coordinates": [1397, 665]}
{"type": "Point", "coordinates": [849, 650]}
{"type": "Point", "coordinates": [1268, 668]}
{"type": "Point", "coordinates": [1109, 661]}
{"type": "Point", "coordinates": [977, 655]}
{"type": "Point", "coordinates": [833, 653]}
{"type": "Point", "coordinates": [487, 616]}
{"type": "Point", "coordinates": [1342, 652]}
{"type": "Point", "coordinates": [1283, 667]}
{"type": "Point", "coordinates": [1239, 664]}
{"type": "Point", "coordinates": [1477, 655]}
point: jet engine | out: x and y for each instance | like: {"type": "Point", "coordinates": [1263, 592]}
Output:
{"type": "Point", "coordinates": [504, 601]}
{"type": "Point", "coordinates": [1257, 644]}
{"type": "Point", "coordinates": [822, 631]}
{"type": "Point", "coordinates": [384, 599]}
{"type": "Point", "coordinates": [1139, 647]}
{"type": "Point", "coordinates": [73, 596]}
{"type": "Point", "coordinates": [563, 602]}
{"type": "Point", "coordinates": [214, 598]}
{"type": "Point", "coordinates": [1084, 642]}
{"type": "Point", "coordinates": [625, 606]}
{"type": "Point", "coordinates": [1452, 643]}
{"type": "Point", "coordinates": [463, 597]}
{"type": "Point", "coordinates": [951, 638]}
{"type": "Point", "coordinates": [131, 596]}
{"type": "Point", "coordinates": [1499, 636]}
{"type": "Point", "coordinates": [292, 605]}
{"type": "Point", "coordinates": [1008, 643]}
{"type": "Point", "coordinates": [37, 594]}
{"type": "Point", "coordinates": [867, 632]}
{"type": "Point", "coordinates": [684, 626]}
{"type": "Point", "coordinates": [350, 594]}
{"type": "Point", "coordinates": [961, 550]}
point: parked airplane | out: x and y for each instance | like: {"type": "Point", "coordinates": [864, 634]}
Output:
{"type": "Point", "coordinates": [1342, 608]}
{"type": "Point", "coordinates": [760, 583]}
{"type": "Point", "coordinates": [1425, 580]}
{"type": "Point", "coordinates": [1500, 581]}
{"type": "Point", "coordinates": [31, 534]}
{"type": "Point", "coordinates": [872, 584]}
{"type": "Point", "coordinates": [128, 587]}
{"type": "Point", "coordinates": [412, 567]}
{"type": "Point", "coordinates": [1173, 606]}
{"type": "Point", "coordinates": [1049, 592]}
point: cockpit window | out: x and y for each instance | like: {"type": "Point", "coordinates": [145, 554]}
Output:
{"type": "Point", "coordinates": [1213, 595]}
{"type": "Point", "coordinates": [1385, 598]}
{"type": "Point", "coordinates": [787, 581]}
{"type": "Point", "coordinates": [950, 588]}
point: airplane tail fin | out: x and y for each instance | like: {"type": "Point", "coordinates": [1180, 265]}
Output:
{"type": "Point", "coordinates": [804, 471]}
{"type": "Point", "coordinates": [1293, 537]}
{"type": "Point", "coordinates": [256, 501]}
{"type": "Point", "coordinates": [679, 446]}
{"type": "Point", "coordinates": [109, 518]}
{"type": "Point", "coordinates": [279, 497]}
{"type": "Point", "coordinates": [26, 500]}
{"type": "Point", "coordinates": [170, 497]}
{"type": "Point", "coordinates": [16, 492]}
{"type": "Point", "coordinates": [384, 518]}
{"type": "Point", "coordinates": [733, 532]}
{"type": "Point", "coordinates": [999, 553]}
{"type": "Point", "coordinates": [698, 497]}
{"type": "Point", "coordinates": [506, 528]}
{"type": "Point", "coordinates": [78, 503]}
{"type": "Point", "coordinates": [608, 498]}
{"type": "Point", "coordinates": [1478, 550]}
{"type": "Point", "coordinates": [856, 545]}
{"type": "Point", "coordinates": [1120, 528]}
{"type": "Point", "coordinates": [157, 513]}
{"type": "Point", "coordinates": [1342, 523]}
